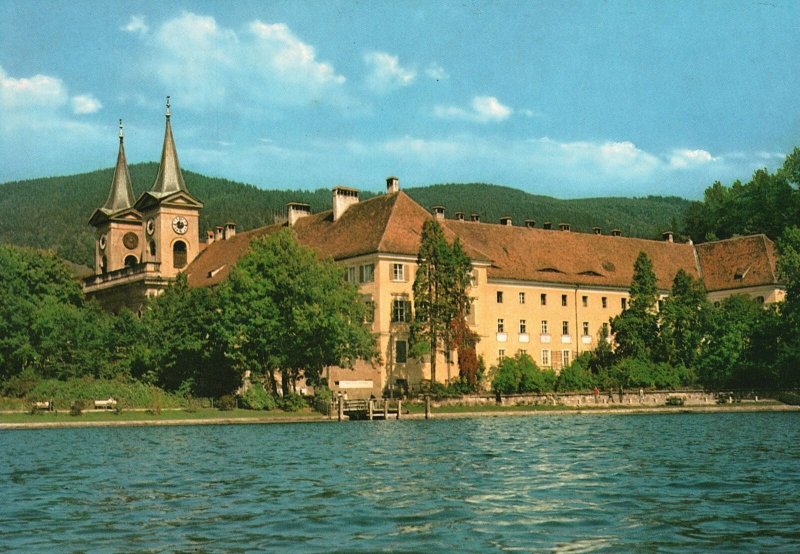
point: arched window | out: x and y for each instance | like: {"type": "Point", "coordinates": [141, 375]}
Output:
{"type": "Point", "coordinates": [179, 254]}
{"type": "Point", "coordinates": [152, 247]}
{"type": "Point", "coordinates": [103, 265]}
{"type": "Point", "coordinates": [130, 261]}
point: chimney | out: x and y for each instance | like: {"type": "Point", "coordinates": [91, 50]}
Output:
{"type": "Point", "coordinates": [344, 197]}
{"type": "Point", "coordinates": [616, 233]}
{"type": "Point", "coordinates": [459, 216]}
{"type": "Point", "coordinates": [505, 220]}
{"type": "Point", "coordinates": [438, 212]}
{"type": "Point", "coordinates": [597, 230]}
{"type": "Point", "coordinates": [547, 225]}
{"type": "Point", "coordinates": [667, 236]}
{"type": "Point", "coordinates": [564, 226]}
{"type": "Point", "coordinates": [530, 224]}
{"type": "Point", "coordinates": [230, 230]}
{"type": "Point", "coordinates": [219, 235]}
{"type": "Point", "coordinates": [209, 236]}
{"type": "Point", "coordinates": [474, 216]}
{"type": "Point", "coordinates": [392, 185]}
{"type": "Point", "coordinates": [296, 210]}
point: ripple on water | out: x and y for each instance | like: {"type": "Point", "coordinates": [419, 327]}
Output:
{"type": "Point", "coordinates": [564, 484]}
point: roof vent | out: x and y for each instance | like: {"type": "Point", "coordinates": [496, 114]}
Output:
{"type": "Point", "coordinates": [505, 220]}
{"type": "Point", "coordinates": [667, 236]}
{"type": "Point", "coordinates": [597, 230]}
{"type": "Point", "coordinates": [616, 233]}
{"type": "Point", "coordinates": [295, 211]}
{"type": "Point", "coordinates": [564, 226]}
{"type": "Point", "coordinates": [547, 225]}
{"type": "Point", "coordinates": [459, 216]}
{"type": "Point", "coordinates": [392, 185]}
{"type": "Point", "coordinates": [343, 198]}
{"type": "Point", "coordinates": [230, 230]}
{"type": "Point", "coordinates": [530, 223]}
{"type": "Point", "coordinates": [438, 212]}
{"type": "Point", "coordinates": [475, 217]}
{"type": "Point", "coordinates": [218, 233]}
{"type": "Point", "coordinates": [209, 236]}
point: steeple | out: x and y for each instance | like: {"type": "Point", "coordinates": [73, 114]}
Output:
{"type": "Point", "coordinates": [120, 197]}
{"type": "Point", "coordinates": [169, 178]}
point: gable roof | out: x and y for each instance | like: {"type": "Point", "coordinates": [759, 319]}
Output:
{"type": "Point", "coordinates": [520, 253]}
{"type": "Point", "coordinates": [737, 263]}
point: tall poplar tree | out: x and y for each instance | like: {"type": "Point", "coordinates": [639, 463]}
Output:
{"type": "Point", "coordinates": [636, 328]}
{"type": "Point", "coordinates": [440, 294]}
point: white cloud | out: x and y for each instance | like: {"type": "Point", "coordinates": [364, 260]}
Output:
{"type": "Point", "coordinates": [136, 24]}
{"type": "Point", "coordinates": [483, 109]}
{"type": "Point", "coordinates": [436, 72]}
{"type": "Point", "coordinates": [387, 73]}
{"type": "Point", "coordinates": [209, 66]}
{"type": "Point", "coordinates": [85, 104]}
{"type": "Point", "coordinates": [39, 90]}
{"type": "Point", "coordinates": [682, 158]}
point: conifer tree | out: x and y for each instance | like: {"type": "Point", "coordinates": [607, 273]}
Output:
{"type": "Point", "coordinates": [636, 328]}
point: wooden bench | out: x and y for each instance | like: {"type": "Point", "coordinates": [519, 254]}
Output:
{"type": "Point", "coordinates": [46, 405]}
{"type": "Point", "coordinates": [109, 404]}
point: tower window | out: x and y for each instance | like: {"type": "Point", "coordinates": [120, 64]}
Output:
{"type": "Point", "coordinates": [179, 254]}
{"type": "Point", "coordinates": [130, 261]}
{"type": "Point", "coordinates": [104, 265]}
{"type": "Point", "coordinates": [152, 247]}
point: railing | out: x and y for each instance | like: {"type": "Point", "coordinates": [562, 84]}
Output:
{"type": "Point", "coordinates": [125, 272]}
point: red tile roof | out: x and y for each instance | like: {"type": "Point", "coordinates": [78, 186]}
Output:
{"type": "Point", "coordinates": [738, 263]}
{"type": "Point", "coordinates": [392, 224]}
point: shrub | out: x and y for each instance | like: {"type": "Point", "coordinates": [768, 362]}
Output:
{"type": "Point", "coordinates": [77, 408]}
{"type": "Point", "coordinates": [257, 398]}
{"type": "Point", "coordinates": [226, 402]}
{"type": "Point", "coordinates": [506, 377]}
{"type": "Point", "coordinates": [322, 399]}
{"type": "Point", "coordinates": [791, 398]}
{"type": "Point", "coordinates": [292, 403]}
{"type": "Point", "coordinates": [577, 376]}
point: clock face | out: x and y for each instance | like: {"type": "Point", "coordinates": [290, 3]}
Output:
{"type": "Point", "coordinates": [151, 226]}
{"type": "Point", "coordinates": [180, 225]}
{"type": "Point", "coordinates": [130, 240]}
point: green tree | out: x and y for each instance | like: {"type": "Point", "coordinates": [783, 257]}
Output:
{"type": "Point", "coordinates": [788, 354]}
{"type": "Point", "coordinates": [636, 328]}
{"type": "Point", "coordinates": [683, 320]}
{"type": "Point", "coordinates": [287, 311]}
{"type": "Point", "coordinates": [441, 303]}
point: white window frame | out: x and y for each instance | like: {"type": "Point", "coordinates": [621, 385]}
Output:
{"type": "Point", "coordinates": [398, 272]}
{"type": "Point", "coordinates": [544, 327]}
{"type": "Point", "coordinates": [501, 325]}
{"type": "Point", "coordinates": [522, 298]}
{"type": "Point", "coordinates": [523, 327]}
{"type": "Point", "coordinates": [546, 358]}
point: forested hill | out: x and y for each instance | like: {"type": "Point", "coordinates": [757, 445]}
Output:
{"type": "Point", "coordinates": [52, 213]}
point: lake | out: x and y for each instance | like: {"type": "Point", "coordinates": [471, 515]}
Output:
{"type": "Point", "coordinates": [592, 483]}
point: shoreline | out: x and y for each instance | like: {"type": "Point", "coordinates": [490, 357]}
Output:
{"type": "Point", "coordinates": [749, 408]}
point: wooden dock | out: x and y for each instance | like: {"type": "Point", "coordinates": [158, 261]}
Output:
{"type": "Point", "coordinates": [372, 409]}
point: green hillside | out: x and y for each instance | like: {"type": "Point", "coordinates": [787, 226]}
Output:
{"type": "Point", "coordinates": [52, 213]}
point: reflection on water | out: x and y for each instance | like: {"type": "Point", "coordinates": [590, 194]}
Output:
{"type": "Point", "coordinates": [559, 483]}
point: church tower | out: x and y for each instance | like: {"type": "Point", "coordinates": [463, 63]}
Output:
{"type": "Point", "coordinates": [118, 226]}
{"type": "Point", "coordinates": [170, 215]}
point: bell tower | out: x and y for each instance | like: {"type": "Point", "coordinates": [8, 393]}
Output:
{"type": "Point", "coordinates": [118, 226]}
{"type": "Point", "coordinates": [170, 214]}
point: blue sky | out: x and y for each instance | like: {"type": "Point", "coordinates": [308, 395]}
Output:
{"type": "Point", "coordinates": [569, 99]}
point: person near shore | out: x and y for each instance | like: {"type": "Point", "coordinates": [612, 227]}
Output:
{"type": "Point", "coordinates": [596, 395]}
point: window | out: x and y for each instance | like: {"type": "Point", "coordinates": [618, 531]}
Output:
{"type": "Point", "coordinates": [152, 248]}
{"type": "Point", "coordinates": [398, 272]}
{"type": "Point", "coordinates": [499, 297]}
{"type": "Point", "coordinates": [179, 254]}
{"type": "Point", "coordinates": [104, 265]}
{"type": "Point", "coordinates": [522, 298]}
{"type": "Point", "coordinates": [565, 327]}
{"type": "Point", "coordinates": [369, 316]}
{"type": "Point", "coordinates": [585, 301]}
{"type": "Point", "coordinates": [351, 274]}
{"type": "Point", "coordinates": [760, 299]}
{"type": "Point", "coordinates": [565, 355]}
{"type": "Point", "coordinates": [523, 352]}
{"type": "Point", "coordinates": [523, 327]}
{"type": "Point", "coordinates": [544, 326]}
{"type": "Point", "coordinates": [585, 328]}
{"type": "Point", "coordinates": [501, 326]}
{"type": "Point", "coordinates": [473, 277]}
{"type": "Point", "coordinates": [400, 351]}
{"type": "Point", "coordinates": [401, 310]}
{"type": "Point", "coordinates": [604, 301]}
{"type": "Point", "coordinates": [366, 273]}
{"type": "Point", "coordinates": [543, 299]}
{"type": "Point", "coordinates": [501, 354]}
{"type": "Point", "coordinates": [131, 261]}
{"type": "Point", "coordinates": [563, 299]}
{"type": "Point", "coordinates": [623, 302]}
{"type": "Point", "coordinates": [545, 358]}
{"type": "Point", "coordinates": [605, 329]}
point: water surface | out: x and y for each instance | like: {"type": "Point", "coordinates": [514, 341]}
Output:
{"type": "Point", "coordinates": [652, 483]}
